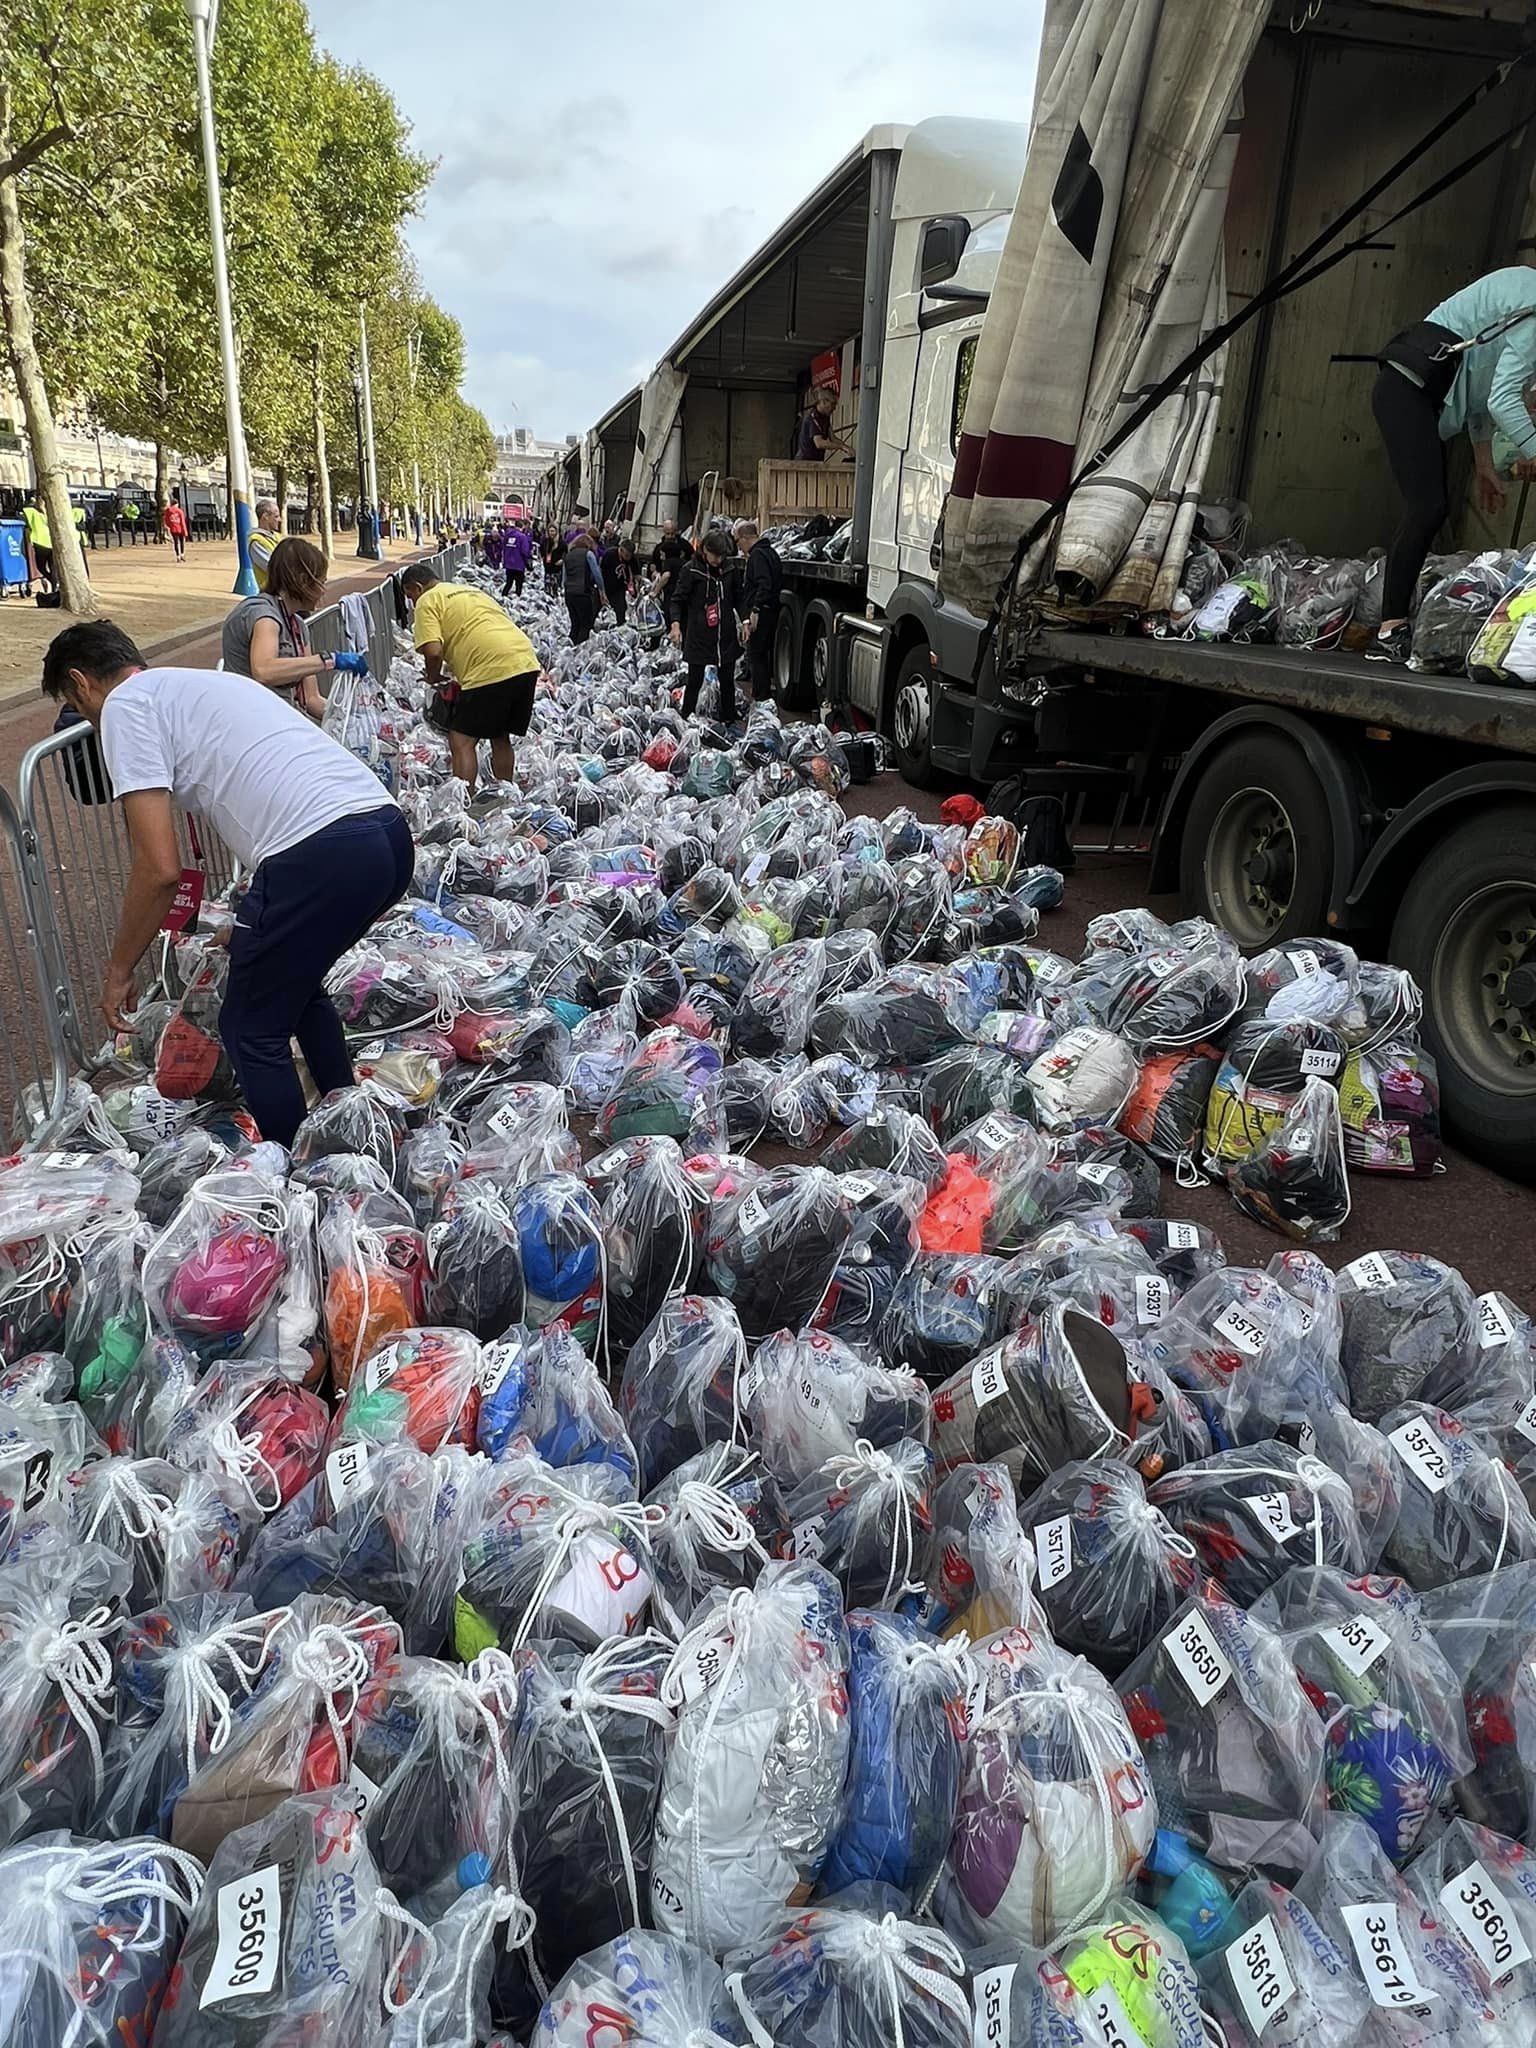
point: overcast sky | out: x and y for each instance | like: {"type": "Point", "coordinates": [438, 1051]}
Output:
{"type": "Point", "coordinates": [596, 182]}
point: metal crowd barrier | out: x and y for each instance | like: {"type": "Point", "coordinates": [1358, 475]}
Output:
{"type": "Point", "coordinates": [65, 857]}
{"type": "Point", "coordinates": [34, 1058]}
{"type": "Point", "coordinates": [77, 856]}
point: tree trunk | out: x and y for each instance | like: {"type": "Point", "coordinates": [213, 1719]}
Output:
{"type": "Point", "coordinates": [68, 560]}
{"type": "Point", "coordinates": [322, 456]}
{"type": "Point", "coordinates": [280, 491]}
{"type": "Point", "coordinates": [162, 481]}
{"type": "Point", "coordinates": [309, 501]}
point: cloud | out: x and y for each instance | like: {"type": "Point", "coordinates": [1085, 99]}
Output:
{"type": "Point", "coordinates": [595, 189]}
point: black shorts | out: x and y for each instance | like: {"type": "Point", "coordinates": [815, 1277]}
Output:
{"type": "Point", "coordinates": [494, 711]}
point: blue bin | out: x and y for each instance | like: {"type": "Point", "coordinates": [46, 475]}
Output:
{"type": "Point", "coordinates": [13, 552]}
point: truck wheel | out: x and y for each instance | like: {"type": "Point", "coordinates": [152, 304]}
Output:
{"type": "Point", "coordinates": [1256, 854]}
{"type": "Point", "coordinates": [912, 719]}
{"type": "Point", "coordinates": [1466, 931]}
{"type": "Point", "coordinates": [786, 652]}
{"type": "Point", "coordinates": [817, 647]}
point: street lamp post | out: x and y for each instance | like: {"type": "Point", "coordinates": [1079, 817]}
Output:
{"type": "Point", "coordinates": [372, 489]}
{"type": "Point", "coordinates": [367, 543]}
{"type": "Point", "coordinates": [204, 19]}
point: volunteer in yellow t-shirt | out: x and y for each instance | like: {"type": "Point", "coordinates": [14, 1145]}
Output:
{"type": "Point", "coordinates": [265, 535]}
{"type": "Point", "coordinates": [39, 541]}
{"type": "Point", "coordinates": [479, 660]}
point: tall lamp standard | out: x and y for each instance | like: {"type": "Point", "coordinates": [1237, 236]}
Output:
{"type": "Point", "coordinates": [204, 18]}
{"type": "Point", "coordinates": [367, 539]}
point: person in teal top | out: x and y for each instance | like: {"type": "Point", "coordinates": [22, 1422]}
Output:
{"type": "Point", "coordinates": [1464, 369]}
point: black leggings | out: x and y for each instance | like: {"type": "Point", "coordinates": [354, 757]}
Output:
{"type": "Point", "coordinates": [1408, 415]}
{"type": "Point", "coordinates": [695, 683]}
{"type": "Point", "coordinates": [583, 614]}
{"type": "Point", "coordinates": [514, 582]}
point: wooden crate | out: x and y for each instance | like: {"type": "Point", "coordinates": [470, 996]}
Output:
{"type": "Point", "coordinates": [792, 491]}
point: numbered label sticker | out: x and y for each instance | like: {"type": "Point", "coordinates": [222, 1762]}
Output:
{"type": "Point", "coordinates": [367, 1791]}
{"type": "Point", "coordinates": [1494, 1325]}
{"type": "Point", "coordinates": [702, 1666]}
{"type": "Point", "coordinates": [1305, 961]}
{"type": "Point", "coordinates": [993, 2024]}
{"type": "Point", "coordinates": [345, 1469]}
{"type": "Point", "coordinates": [1097, 1172]}
{"type": "Point", "coordinates": [1371, 1274]}
{"type": "Point", "coordinates": [1183, 1237]}
{"type": "Point", "coordinates": [503, 1121]}
{"type": "Point", "coordinates": [1273, 1512]}
{"type": "Point", "coordinates": [1483, 1918]}
{"type": "Point", "coordinates": [989, 1382]}
{"type": "Point", "coordinates": [1422, 1451]}
{"type": "Point", "coordinates": [1525, 1421]}
{"type": "Point", "coordinates": [1244, 1332]}
{"type": "Point", "coordinates": [250, 1923]}
{"type": "Point", "coordinates": [1154, 1297]}
{"type": "Point", "coordinates": [1053, 1550]}
{"type": "Point", "coordinates": [809, 1548]}
{"type": "Point", "coordinates": [1357, 1643]}
{"type": "Point", "coordinates": [1197, 1659]}
{"type": "Point", "coordinates": [1260, 1975]}
{"type": "Point", "coordinates": [1385, 1963]}
{"type": "Point", "coordinates": [809, 1394]}
{"type": "Point", "coordinates": [1319, 1062]}
{"type": "Point", "coordinates": [751, 1383]}
{"type": "Point", "coordinates": [1114, 2021]}
{"type": "Point", "coordinates": [856, 1187]}
{"type": "Point", "coordinates": [991, 1134]}
{"type": "Point", "coordinates": [752, 1215]}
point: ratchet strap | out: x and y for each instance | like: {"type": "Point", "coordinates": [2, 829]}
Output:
{"type": "Point", "coordinates": [1303, 269]}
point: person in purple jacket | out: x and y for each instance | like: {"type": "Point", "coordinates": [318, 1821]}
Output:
{"type": "Point", "coordinates": [494, 542]}
{"type": "Point", "coordinates": [516, 554]}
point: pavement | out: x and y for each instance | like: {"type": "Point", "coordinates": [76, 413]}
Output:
{"type": "Point", "coordinates": [1468, 1216]}
{"type": "Point", "coordinates": [158, 601]}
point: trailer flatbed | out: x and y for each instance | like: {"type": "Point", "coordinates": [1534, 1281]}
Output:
{"type": "Point", "coordinates": [1338, 685]}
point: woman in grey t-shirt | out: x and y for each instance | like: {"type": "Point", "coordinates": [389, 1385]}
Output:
{"type": "Point", "coordinates": [265, 639]}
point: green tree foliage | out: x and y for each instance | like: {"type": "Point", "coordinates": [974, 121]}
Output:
{"type": "Point", "coordinates": [318, 177]}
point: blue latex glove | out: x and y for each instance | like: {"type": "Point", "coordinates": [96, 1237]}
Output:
{"type": "Point", "coordinates": [350, 664]}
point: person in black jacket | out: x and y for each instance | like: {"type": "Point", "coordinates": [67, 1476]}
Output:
{"type": "Point", "coordinates": [618, 566]}
{"type": "Point", "coordinates": [667, 558]}
{"type": "Point", "coordinates": [706, 622]}
{"type": "Point", "coordinates": [762, 585]}
{"type": "Point", "coordinates": [583, 586]}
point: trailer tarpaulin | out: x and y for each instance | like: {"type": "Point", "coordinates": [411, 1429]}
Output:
{"type": "Point", "coordinates": [660, 403]}
{"type": "Point", "coordinates": [1111, 271]}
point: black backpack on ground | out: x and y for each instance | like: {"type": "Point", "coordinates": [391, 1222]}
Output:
{"type": "Point", "coordinates": [1042, 824]}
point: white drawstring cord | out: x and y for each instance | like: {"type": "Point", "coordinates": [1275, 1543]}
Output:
{"type": "Point", "coordinates": [732, 1620]}
{"type": "Point", "coordinates": [143, 1513]}
{"type": "Point", "coordinates": [579, 1517]}
{"type": "Point", "coordinates": [241, 1458]}
{"type": "Point", "coordinates": [333, 1662]}
{"type": "Point", "coordinates": [204, 1701]}
{"type": "Point", "coordinates": [611, 1663]}
{"type": "Point", "coordinates": [890, 1950]}
{"type": "Point", "coordinates": [1098, 1724]}
{"type": "Point", "coordinates": [75, 1656]}
{"type": "Point", "coordinates": [868, 1470]}
{"type": "Point", "coordinates": [389, 1908]}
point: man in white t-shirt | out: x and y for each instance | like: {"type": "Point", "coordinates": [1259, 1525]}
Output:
{"type": "Point", "coordinates": [328, 849]}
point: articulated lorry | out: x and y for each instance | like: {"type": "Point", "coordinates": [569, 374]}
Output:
{"type": "Point", "coordinates": [1180, 155]}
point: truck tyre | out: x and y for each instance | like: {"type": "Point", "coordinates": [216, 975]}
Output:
{"type": "Point", "coordinates": [1466, 931]}
{"type": "Point", "coordinates": [786, 651]}
{"type": "Point", "coordinates": [1256, 852]}
{"type": "Point", "coordinates": [817, 648]}
{"type": "Point", "coordinates": [912, 718]}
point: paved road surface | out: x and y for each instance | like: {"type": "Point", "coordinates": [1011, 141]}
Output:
{"type": "Point", "coordinates": [1467, 1216]}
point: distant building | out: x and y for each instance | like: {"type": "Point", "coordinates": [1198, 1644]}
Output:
{"type": "Point", "coordinates": [94, 460]}
{"type": "Point", "coordinates": [520, 461]}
